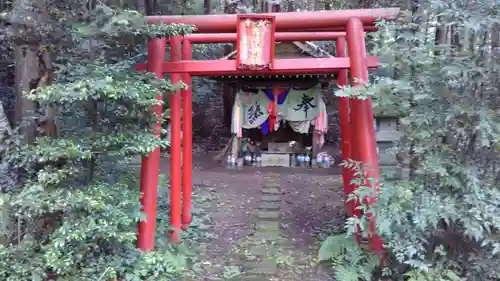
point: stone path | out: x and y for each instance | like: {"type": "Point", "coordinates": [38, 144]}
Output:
{"type": "Point", "coordinates": [265, 225]}
{"type": "Point", "coordinates": [264, 244]}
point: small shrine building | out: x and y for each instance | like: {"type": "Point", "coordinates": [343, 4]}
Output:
{"type": "Point", "coordinates": [279, 120]}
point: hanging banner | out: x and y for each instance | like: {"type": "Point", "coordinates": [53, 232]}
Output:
{"type": "Point", "coordinates": [236, 117]}
{"type": "Point", "coordinates": [301, 105]}
{"type": "Point", "coordinates": [276, 96]}
{"type": "Point", "coordinates": [254, 109]}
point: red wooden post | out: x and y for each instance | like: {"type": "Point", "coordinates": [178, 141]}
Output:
{"type": "Point", "coordinates": [175, 145]}
{"type": "Point", "coordinates": [187, 138]}
{"type": "Point", "coordinates": [150, 163]}
{"type": "Point", "coordinates": [363, 134]}
{"type": "Point", "coordinates": [345, 129]}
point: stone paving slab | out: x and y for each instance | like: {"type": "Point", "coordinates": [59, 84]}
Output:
{"type": "Point", "coordinates": [267, 180]}
{"type": "Point", "coordinates": [271, 206]}
{"type": "Point", "coordinates": [261, 267]}
{"type": "Point", "coordinates": [254, 278]}
{"type": "Point", "coordinates": [262, 250]}
{"type": "Point", "coordinates": [270, 181]}
{"type": "Point", "coordinates": [268, 215]}
{"type": "Point", "coordinates": [271, 190]}
{"type": "Point", "coordinates": [269, 184]}
{"type": "Point", "coordinates": [271, 198]}
{"type": "Point", "coordinates": [272, 175]}
{"type": "Point", "coordinates": [267, 226]}
{"type": "Point", "coordinates": [268, 236]}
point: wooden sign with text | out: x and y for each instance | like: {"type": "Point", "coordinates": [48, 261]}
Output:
{"type": "Point", "coordinates": [255, 42]}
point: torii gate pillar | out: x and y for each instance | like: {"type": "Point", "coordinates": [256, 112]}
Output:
{"type": "Point", "coordinates": [363, 144]}
{"type": "Point", "coordinates": [151, 162]}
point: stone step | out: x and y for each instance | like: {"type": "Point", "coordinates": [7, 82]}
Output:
{"type": "Point", "coordinates": [272, 175]}
{"type": "Point", "coordinates": [270, 206]}
{"type": "Point", "coordinates": [271, 190]}
{"type": "Point", "coordinates": [262, 250]}
{"type": "Point", "coordinates": [271, 184]}
{"type": "Point", "coordinates": [271, 180]}
{"type": "Point", "coordinates": [267, 226]}
{"type": "Point", "coordinates": [268, 267]}
{"type": "Point", "coordinates": [253, 278]}
{"type": "Point", "coordinates": [268, 215]}
{"type": "Point", "coordinates": [271, 198]}
{"type": "Point", "coordinates": [268, 230]}
{"type": "Point", "coordinates": [260, 236]}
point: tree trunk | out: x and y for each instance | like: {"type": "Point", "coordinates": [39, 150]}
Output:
{"type": "Point", "coordinates": [33, 68]}
{"type": "Point", "coordinates": [207, 7]}
{"type": "Point", "coordinates": [47, 123]}
{"type": "Point", "coordinates": [26, 62]}
{"type": "Point", "coordinates": [149, 6]}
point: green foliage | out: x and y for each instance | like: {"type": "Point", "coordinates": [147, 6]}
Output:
{"type": "Point", "coordinates": [441, 223]}
{"type": "Point", "coordinates": [75, 209]}
{"type": "Point", "coordinates": [351, 262]}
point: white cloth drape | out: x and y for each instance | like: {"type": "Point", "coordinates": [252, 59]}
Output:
{"type": "Point", "coordinates": [300, 108]}
{"type": "Point", "coordinates": [301, 127]}
{"type": "Point", "coordinates": [255, 109]}
{"type": "Point", "coordinates": [301, 105]}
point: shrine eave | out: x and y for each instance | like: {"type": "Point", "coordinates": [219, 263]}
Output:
{"type": "Point", "coordinates": [197, 38]}
{"type": "Point", "coordinates": [298, 77]}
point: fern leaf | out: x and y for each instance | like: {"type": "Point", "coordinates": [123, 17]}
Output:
{"type": "Point", "coordinates": [346, 273]}
{"type": "Point", "coordinates": [332, 247]}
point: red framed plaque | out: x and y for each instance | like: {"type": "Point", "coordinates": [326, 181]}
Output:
{"type": "Point", "coordinates": [255, 42]}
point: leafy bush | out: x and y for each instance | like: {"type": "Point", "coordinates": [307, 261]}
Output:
{"type": "Point", "coordinates": [75, 209]}
{"type": "Point", "coordinates": [441, 223]}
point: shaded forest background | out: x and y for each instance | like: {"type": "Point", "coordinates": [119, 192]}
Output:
{"type": "Point", "coordinates": [207, 92]}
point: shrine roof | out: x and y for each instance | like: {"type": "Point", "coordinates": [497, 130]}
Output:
{"type": "Point", "coordinates": [296, 78]}
{"type": "Point", "coordinates": [293, 49]}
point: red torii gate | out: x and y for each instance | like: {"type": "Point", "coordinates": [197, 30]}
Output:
{"type": "Point", "coordinates": [356, 116]}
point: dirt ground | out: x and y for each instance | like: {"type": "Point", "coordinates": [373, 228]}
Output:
{"type": "Point", "coordinates": [311, 206]}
